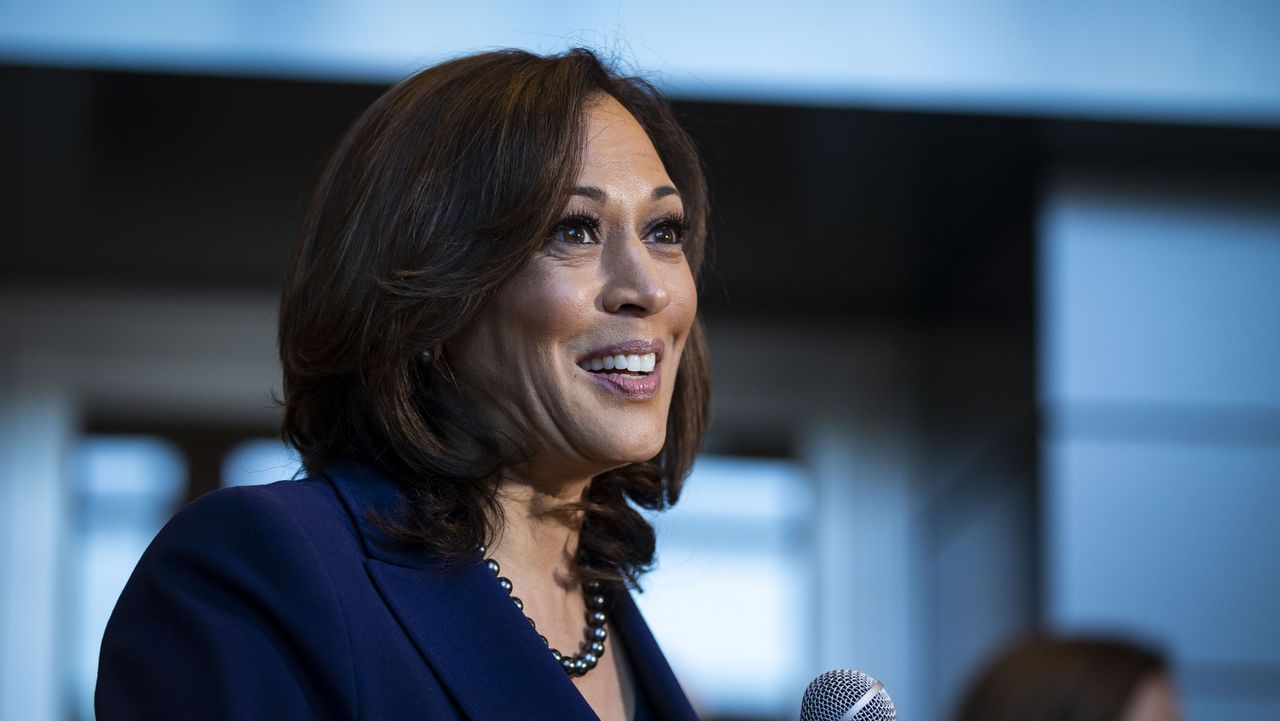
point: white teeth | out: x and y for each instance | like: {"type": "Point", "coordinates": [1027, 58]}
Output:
{"type": "Point", "coordinates": [633, 363]}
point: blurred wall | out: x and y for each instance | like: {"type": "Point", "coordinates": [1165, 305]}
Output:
{"type": "Point", "coordinates": [1161, 389]}
{"type": "Point", "coordinates": [1200, 60]}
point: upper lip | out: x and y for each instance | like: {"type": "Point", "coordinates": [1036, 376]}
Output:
{"type": "Point", "coordinates": [627, 347]}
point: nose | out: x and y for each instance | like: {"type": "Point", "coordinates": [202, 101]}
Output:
{"type": "Point", "coordinates": [634, 283]}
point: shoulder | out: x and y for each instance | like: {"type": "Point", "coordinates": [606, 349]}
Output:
{"type": "Point", "coordinates": [270, 543]}
{"type": "Point", "coordinates": [286, 538]}
{"type": "Point", "coordinates": [290, 512]}
{"type": "Point", "coordinates": [303, 501]}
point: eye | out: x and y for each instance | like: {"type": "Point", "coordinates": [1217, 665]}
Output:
{"type": "Point", "coordinates": [575, 230]}
{"type": "Point", "coordinates": [669, 230]}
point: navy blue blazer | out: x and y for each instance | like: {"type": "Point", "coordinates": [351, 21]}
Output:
{"type": "Point", "coordinates": [283, 602]}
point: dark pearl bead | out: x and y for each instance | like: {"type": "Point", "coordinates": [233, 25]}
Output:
{"type": "Point", "coordinates": [596, 619]}
{"type": "Point", "coordinates": [483, 549]}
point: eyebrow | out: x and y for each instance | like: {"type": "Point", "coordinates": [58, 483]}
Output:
{"type": "Point", "coordinates": [598, 195]}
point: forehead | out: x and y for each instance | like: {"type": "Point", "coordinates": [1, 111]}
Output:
{"type": "Point", "coordinates": [616, 146]}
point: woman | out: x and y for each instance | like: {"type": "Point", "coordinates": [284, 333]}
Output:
{"type": "Point", "coordinates": [1080, 679]}
{"type": "Point", "coordinates": [490, 351]}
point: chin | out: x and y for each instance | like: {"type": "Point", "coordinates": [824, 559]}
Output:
{"type": "Point", "coordinates": [632, 452]}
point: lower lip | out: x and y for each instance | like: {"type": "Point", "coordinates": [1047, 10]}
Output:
{"type": "Point", "coordinates": [634, 387]}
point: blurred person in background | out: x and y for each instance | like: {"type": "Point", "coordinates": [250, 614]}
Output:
{"type": "Point", "coordinates": [1081, 679]}
{"type": "Point", "coordinates": [490, 350]}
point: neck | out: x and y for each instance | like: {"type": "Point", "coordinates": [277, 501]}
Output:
{"type": "Point", "coordinates": [538, 538]}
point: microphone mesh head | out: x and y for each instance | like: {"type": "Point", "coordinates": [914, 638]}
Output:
{"type": "Point", "coordinates": [831, 696]}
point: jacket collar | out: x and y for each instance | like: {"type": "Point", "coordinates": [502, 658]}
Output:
{"type": "Point", "coordinates": [365, 491]}
{"type": "Point", "coordinates": [466, 627]}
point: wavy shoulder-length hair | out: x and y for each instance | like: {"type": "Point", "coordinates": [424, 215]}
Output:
{"type": "Point", "coordinates": [438, 194]}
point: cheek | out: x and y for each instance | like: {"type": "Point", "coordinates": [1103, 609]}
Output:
{"type": "Point", "coordinates": [684, 301]}
{"type": "Point", "coordinates": [680, 316]}
{"type": "Point", "coordinates": [546, 308]}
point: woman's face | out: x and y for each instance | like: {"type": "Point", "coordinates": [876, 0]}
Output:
{"type": "Point", "coordinates": [577, 354]}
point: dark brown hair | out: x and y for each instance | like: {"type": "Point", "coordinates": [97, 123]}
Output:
{"type": "Point", "coordinates": [1048, 679]}
{"type": "Point", "coordinates": [438, 194]}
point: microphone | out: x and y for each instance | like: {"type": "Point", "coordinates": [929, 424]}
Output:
{"type": "Point", "coordinates": [846, 695]}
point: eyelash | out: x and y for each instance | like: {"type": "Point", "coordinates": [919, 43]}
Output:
{"type": "Point", "coordinates": [575, 220]}
{"type": "Point", "coordinates": [675, 221]}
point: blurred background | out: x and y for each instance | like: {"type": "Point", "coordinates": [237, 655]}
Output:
{"type": "Point", "coordinates": [992, 307]}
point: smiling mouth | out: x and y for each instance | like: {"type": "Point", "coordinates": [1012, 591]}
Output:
{"type": "Point", "coordinates": [637, 364]}
{"type": "Point", "coordinates": [628, 369]}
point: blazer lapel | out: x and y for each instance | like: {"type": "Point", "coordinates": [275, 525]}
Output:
{"type": "Point", "coordinates": [480, 645]}
{"type": "Point", "coordinates": [465, 626]}
{"type": "Point", "coordinates": [653, 673]}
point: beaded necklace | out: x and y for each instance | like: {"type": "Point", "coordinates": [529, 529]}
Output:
{"type": "Point", "coordinates": [592, 647]}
